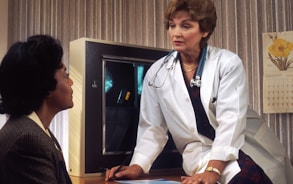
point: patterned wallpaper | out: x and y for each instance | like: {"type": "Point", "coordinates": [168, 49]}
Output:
{"type": "Point", "coordinates": [239, 28]}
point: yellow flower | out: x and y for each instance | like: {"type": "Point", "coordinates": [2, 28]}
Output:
{"type": "Point", "coordinates": [281, 48]}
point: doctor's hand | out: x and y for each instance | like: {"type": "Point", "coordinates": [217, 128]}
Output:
{"type": "Point", "coordinates": [202, 178]}
{"type": "Point", "coordinates": [125, 172]}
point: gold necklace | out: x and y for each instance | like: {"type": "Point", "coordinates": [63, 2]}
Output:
{"type": "Point", "coordinates": [189, 65]}
{"type": "Point", "coordinates": [190, 70]}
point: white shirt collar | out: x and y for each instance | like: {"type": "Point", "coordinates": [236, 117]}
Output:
{"type": "Point", "coordinates": [33, 116]}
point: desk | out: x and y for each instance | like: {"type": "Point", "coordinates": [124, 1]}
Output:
{"type": "Point", "coordinates": [101, 179]}
{"type": "Point", "coordinates": [170, 175]}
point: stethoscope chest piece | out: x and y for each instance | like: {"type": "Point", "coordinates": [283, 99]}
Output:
{"type": "Point", "coordinates": [195, 82]}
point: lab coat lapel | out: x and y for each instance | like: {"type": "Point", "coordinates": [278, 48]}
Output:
{"type": "Point", "coordinates": [208, 80]}
{"type": "Point", "coordinates": [183, 102]}
{"type": "Point", "coordinates": [179, 80]}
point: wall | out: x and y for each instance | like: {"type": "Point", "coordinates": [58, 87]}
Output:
{"type": "Point", "coordinates": [3, 39]}
{"type": "Point", "coordinates": [239, 28]}
{"type": "Point", "coordinates": [3, 27]}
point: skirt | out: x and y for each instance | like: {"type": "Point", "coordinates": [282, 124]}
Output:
{"type": "Point", "coordinates": [250, 172]}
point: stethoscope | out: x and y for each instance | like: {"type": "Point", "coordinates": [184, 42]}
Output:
{"type": "Point", "coordinates": [196, 81]}
{"type": "Point", "coordinates": [152, 82]}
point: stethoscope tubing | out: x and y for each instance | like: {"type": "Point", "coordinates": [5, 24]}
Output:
{"type": "Point", "coordinates": [195, 81]}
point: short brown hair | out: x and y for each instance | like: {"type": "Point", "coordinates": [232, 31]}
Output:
{"type": "Point", "coordinates": [202, 11]}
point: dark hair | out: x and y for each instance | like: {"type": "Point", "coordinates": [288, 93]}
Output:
{"type": "Point", "coordinates": [202, 11]}
{"type": "Point", "coordinates": [27, 74]}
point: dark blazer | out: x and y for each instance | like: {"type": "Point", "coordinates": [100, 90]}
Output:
{"type": "Point", "coordinates": [29, 156]}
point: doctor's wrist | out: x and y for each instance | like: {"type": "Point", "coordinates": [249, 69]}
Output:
{"type": "Point", "coordinates": [213, 169]}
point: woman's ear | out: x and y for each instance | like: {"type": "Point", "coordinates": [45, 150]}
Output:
{"type": "Point", "coordinates": [50, 94]}
{"type": "Point", "coordinates": [205, 34]}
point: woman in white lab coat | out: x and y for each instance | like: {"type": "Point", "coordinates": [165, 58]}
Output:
{"type": "Point", "coordinates": [199, 94]}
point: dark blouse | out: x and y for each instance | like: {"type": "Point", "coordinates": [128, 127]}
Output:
{"type": "Point", "coordinates": [203, 125]}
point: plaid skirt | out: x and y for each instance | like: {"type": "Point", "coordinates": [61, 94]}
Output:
{"type": "Point", "coordinates": [250, 172]}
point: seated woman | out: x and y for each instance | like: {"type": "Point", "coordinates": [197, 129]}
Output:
{"type": "Point", "coordinates": [34, 87]}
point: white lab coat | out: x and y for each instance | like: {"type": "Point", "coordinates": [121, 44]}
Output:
{"type": "Point", "coordinates": [167, 107]}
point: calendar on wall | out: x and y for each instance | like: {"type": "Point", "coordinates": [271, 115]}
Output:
{"type": "Point", "coordinates": [278, 72]}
